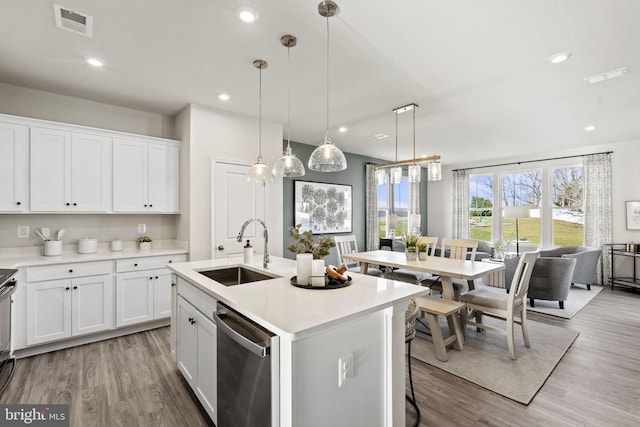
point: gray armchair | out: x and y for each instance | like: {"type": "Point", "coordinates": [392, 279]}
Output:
{"type": "Point", "coordinates": [586, 262]}
{"type": "Point", "coordinates": [550, 280]}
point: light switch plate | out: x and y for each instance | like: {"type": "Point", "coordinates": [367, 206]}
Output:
{"type": "Point", "coordinates": [142, 228]}
{"type": "Point", "coordinates": [23, 232]}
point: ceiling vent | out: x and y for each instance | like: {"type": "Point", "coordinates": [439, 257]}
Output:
{"type": "Point", "coordinates": [71, 20]}
{"type": "Point", "coordinates": [606, 76]}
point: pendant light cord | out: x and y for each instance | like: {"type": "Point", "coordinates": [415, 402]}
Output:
{"type": "Point", "coordinates": [260, 115]}
{"type": "Point", "coordinates": [396, 136]}
{"type": "Point", "coordinates": [414, 132]}
{"type": "Point", "coordinates": [289, 98]}
{"type": "Point", "coordinates": [327, 75]}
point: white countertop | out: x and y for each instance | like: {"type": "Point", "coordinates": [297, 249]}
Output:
{"type": "Point", "coordinates": [32, 256]}
{"type": "Point", "coordinates": [287, 310]}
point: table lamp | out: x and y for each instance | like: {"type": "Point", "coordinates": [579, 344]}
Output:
{"type": "Point", "coordinates": [516, 212]}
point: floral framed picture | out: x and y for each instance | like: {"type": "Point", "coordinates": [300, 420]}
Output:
{"type": "Point", "coordinates": [323, 208]}
{"type": "Point", "coordinates": [633, 215]}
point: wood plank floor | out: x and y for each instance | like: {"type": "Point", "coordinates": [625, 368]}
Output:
{"type": "Point", "coordinates": [132, 381]}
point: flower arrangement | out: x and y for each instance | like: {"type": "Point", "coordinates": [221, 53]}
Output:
{"type": "Point", "coordinates": [410, 241]}
{"type": "Point", "coordinates": [422, 247]}
{"type": "Point", "coordinates": [303, 243]}
{"type": "Point", "coordinates": [144, 239]}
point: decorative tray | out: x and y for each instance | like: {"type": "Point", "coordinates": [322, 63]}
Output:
{"type": "Point", "coordinates": [328, 283]}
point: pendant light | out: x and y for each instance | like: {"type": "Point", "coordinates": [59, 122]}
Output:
{"type": "Point", "coordinates": [288, 165]}
{"type": "Point", "coordinates": [396, 173]}
{"type": "Point", "coordinates": [414, 169]}
{"type": "Point", "coordinates": [434, 170]}
{"type": "Point", "coordinates": [259, 171]}
{"type": "Point", "coordinates": [327, 157]}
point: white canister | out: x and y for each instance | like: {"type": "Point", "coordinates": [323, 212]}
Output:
{"type": "Point", "coordinates": [317, 272]}
{"type": "Point", "coordinates": [116, 245]}
{"type": "Point", "coordinates": [87, 245]}
{"type": "Point", "coordinates": [303, 268]}
{"type": "Point", "coordinates": [52, 247]}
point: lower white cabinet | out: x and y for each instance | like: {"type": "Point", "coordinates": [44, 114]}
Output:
{"type": "Point", "coordinates": [59, 309]}
{"type": "Point", "coordinates": [196, 354]}
{"type": "Point", "coordinates": [142, 296]}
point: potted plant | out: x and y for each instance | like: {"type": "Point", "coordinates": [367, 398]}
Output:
{"type": "Point", "coordinates": [144, 242]}
{"type": "Point", "coordinates": [303, 243]}
{"type": "Point", "coordinates": [410, 242]}
{"type": "Point", "coordinates": [422, 251]}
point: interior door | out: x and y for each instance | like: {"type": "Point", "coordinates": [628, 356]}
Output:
{"type": "Point", "coordinates": [235, 200]}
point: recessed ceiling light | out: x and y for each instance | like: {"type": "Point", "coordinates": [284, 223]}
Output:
{"type": "Point", "coordinates": [559, 57]}
{"type": "Point", "coordinates": [94, 61]}
{"type": "Point", "coordinates": [343, 129]}
{"type": "Point", "coordinates": [380, 136]}
{"type": "Point", "coordinates": [224, 97]}
{"type": "Point", "coordinates": [590, 128]}
{"type": "Point", "coordinates": [247, 14]}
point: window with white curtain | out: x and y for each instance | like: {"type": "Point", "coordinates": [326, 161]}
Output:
{"type": "Point", "coordinates": [393, 199]}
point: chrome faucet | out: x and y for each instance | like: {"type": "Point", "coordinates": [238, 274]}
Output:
{"type": "Point", "coordinates": [265, 261]}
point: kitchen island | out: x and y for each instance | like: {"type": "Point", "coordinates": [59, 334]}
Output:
{"type": "Point", "coordinates": [314, 329]}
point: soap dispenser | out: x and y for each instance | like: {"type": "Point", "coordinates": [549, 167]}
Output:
{"type": "Point", "coordinates": [248, 253]}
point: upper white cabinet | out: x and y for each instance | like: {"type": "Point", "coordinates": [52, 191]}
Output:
{"type": "Point", "coordinates": [14, 173]}
{"type": "Point", "coordinates": [146, 177]}
{"type": "Point", "coordinates": [70, 171]}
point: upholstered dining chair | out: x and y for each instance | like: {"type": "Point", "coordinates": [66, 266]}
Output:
{"type": "Point", "coordinates": [502, 305]}
{"type": "Point", "coordinates": [411, 276]}
{"type": "Point", "coordinates": [456, 249]}
{"type": "Point", "coordinates": [348, 244]}
{"type": "Point", "coordinates": [409, 334]}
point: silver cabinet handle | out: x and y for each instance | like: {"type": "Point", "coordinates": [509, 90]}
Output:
{"type": "Point", "coordinates": [222, 317]}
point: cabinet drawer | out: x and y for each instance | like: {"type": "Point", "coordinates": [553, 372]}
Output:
{"type": "Point", "coordinates": [67, 271]}
{"type": "Point", "coordinates": [147, 263]}
{"type": "Point", "coordinates": [200, 300]}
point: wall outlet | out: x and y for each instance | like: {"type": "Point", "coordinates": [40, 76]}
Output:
{"type": "Point", "coordinates": [23, 232]}
{"type": "Point", "coordinates": [345, 369]}
{"type": "Point", "coordinates": [142, 228]}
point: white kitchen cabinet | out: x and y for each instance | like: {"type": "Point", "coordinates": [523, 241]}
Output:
{"type": "Point", "coordinates": [146, 177]}
{"type": "Point", "coordinates": [70, 171]}
{"type": "Point", "coordinates": [14, 173]}
{"type": "Point", "coordinates": [197, 354]}
{"type": "Point", "coordinates": [143, 296]}
{"type": "Point", "coordinates": [64, 308]}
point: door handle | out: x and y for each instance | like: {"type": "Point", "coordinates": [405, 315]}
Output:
{"type": "Point", "coordinates": [220, 247]}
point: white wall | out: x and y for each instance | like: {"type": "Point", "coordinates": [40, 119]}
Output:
{"type": "Point", "coordinates": [212, 133]}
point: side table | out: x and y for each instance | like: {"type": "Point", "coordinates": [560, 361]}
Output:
{"type": "Point", "coordinates": [495, 279]}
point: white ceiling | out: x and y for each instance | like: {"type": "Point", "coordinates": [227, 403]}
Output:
{"type": "Point", "coordinates": [477, 69]}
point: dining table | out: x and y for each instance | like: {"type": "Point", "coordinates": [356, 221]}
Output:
{"type": "Point", "coordinates": [445, 268]}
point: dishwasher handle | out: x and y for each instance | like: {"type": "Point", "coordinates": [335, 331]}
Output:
{"type": "Point", "coordinates": [226, 319]}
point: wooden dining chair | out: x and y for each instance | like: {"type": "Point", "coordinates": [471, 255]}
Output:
{"type": "Point", "coordinates": [505, 306]}
{"type": "Point", "coordinates": [411, 276]}
{"type": "Point", "coordinates": [348, 244]}
{"type": "Point", "coordinates": [456, 249]}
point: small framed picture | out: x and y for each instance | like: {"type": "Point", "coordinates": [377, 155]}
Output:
{"type": "Point", "coordinates": [633, 215]}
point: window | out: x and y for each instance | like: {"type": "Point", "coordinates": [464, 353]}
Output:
{"type": "Point", "coordinates": [393, 208]}
{"type": "Point", "coordinates": [553, 194]}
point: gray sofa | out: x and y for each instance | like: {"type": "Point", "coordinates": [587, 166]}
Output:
{"type": "Point", "coordinates": [550, 279]}
{"type": "Point", "coordinates": [586, 262]}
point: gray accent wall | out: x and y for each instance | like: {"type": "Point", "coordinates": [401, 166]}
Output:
{"type": "Point", "coordinates": [354, 175]}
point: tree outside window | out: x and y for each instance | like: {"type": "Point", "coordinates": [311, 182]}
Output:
{"type": "Point", "coordinates": [481, 207]}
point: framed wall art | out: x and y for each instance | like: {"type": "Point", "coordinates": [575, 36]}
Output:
{"type": "Point", "coordinates": [633, 215]}
{"type": "Point", "coordinates": [323, 208]}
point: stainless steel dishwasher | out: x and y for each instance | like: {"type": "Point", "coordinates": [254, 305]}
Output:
{"type": "Point", "coordinates": [244, 370]}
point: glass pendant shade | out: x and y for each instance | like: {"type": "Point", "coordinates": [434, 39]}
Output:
{"type": "Point", "coordinates": [381, 177]}
{"type": "Point", "coordinates": [288, 165]}
{"type": "Point", "coordinates": [259, 172]}
{"type": "Point", "coordinates": [327, 158]}
{"type": "Point", "coordinates": [414, 173]}
{"type": "Point", "coordinates": [396, 175]}
{"type": "Point", "coordinates": [434, 171]}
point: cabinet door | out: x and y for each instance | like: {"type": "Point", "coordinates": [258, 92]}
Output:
{"type": "Point", "coordinates": [50, 166]}
{"type": "Point", "coordinates": [164, 178]}
{"type": "Point", "coordinates": [130, 176]}
{"type": "Point", "coordinates": [162, 293]}
{"type": "Point", "coordinates": [92, 304]}
{"type": "Point", "coordinates": [207, 365]}
{"type": "Point", "coordinates": [14, 173]}
{"type": "Point", "coordinates": [48, 311]}
{"type": "Point", "coordinates": [134, 298]}
{"type": "Point", "coordinates": [187, 342]}
{"type": "Point", "coordinates": [90, 173]}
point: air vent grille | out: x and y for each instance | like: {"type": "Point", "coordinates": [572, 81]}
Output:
{"type": "Point", "coordinates": [606, 76]}
{"type": "Point", "coordinates": [72, 20]}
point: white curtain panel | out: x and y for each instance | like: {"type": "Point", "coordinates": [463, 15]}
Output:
{"type": "Point", "coordinates": [371, 200]}
{"type": "Point", "coordinates": [414, 205]}
{"type": "Point", "coordinates": [598, 222]}
{"type": "Point", "coordinates": [461, 204]}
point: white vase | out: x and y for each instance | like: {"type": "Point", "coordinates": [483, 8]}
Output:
{"type": "Point", "coordinates": [411, 255]}
{"type": "Point", "coordinates": [303, 268]}
{"type": "Point", "coordinates": [144, 245]}
{"type": "Point", "coordinates": [317, 272]}
{"type": "Point", "coordinates": [422, 256]}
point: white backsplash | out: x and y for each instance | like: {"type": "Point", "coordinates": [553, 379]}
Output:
{"type": "Point", "coordinates": [102, 227]}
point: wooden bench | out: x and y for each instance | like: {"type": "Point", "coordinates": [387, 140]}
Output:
{"type": "Point", "coordinates": [435, 307]}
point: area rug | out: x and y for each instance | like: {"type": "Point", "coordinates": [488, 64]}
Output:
{"type": "Point", "coordinates": [578, 298]}
{"type": "Point", "coordinates": [485, 358]}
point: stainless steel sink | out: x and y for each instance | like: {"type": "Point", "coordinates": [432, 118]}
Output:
{"type": "Point", "coordinates": [230, 276]}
